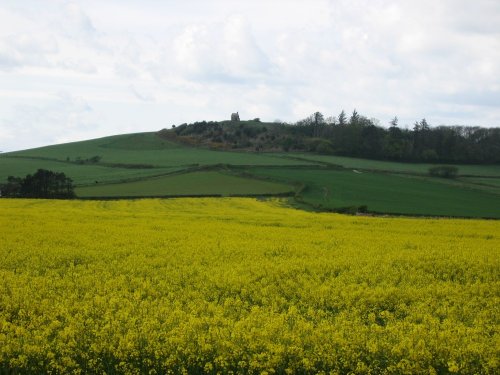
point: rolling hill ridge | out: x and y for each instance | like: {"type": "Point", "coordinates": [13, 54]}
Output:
{"type": "Point", "coordinates": [155, 164]}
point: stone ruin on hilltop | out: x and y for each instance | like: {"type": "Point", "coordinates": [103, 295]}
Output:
{"type": "Point", "coordinates": [235, 117]}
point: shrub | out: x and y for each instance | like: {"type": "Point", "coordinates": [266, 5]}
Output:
{"type": "Point", "coordinates": [444, 171]}
{"type": "Point", "coordinates": [325, 147]}
{"type": "Point", "coordinates": [429, 155]}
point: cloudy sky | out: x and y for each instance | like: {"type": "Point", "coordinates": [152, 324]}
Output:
{"type": "Point", "coordinates": [73, 70]}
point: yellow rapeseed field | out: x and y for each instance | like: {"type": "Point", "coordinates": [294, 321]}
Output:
{"type": "Point", "coordinates": [243, 286]}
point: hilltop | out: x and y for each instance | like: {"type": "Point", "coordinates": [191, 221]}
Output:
{"type": "Point", "coordinates": [357, 136]}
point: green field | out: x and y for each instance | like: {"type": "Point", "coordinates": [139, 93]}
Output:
{"type": "Point", "coordinates": [389, 166]}
{"type": "Point", "coordinates": [494, 182]}
{"type": "Point", "coordinates": [124, 158]}
{"type": "Point", "coordinates": [386, 193]}
{"type": "Point", "coordinates": [81, 174]}
{"type": "Point", "coordinates": [149, 149]}
{"type": "Point", "coordinates": [143, 164]}
{"type": "Point", "coordinates": [197, 183]}
{"type": "Point", "coordinates": [491, 184]}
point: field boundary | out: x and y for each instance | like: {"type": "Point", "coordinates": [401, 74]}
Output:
{"type": "Point", "coordinates": [174, 196]}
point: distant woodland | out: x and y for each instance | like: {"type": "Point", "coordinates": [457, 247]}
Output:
{"type": "Point", "coordinates": [42, 184]}
{"type": "Point", "coordinates": [354, 135]}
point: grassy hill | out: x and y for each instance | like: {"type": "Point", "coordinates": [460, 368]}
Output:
{"type": "Point", "coordinates": [394, 167]}
{"type": "Point", "coordinates": [385, 193]}
{"type": "Point", "coordinates": [152, 164]}
{"type": "Point", "coordinates": [187, 184]}
{"type": "Point", "coordinates": [146, 150]}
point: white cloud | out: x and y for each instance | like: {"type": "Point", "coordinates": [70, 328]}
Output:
{"type": "Point", "coordinates": [141, 95]}
{"type": "Point", "coordinates": [176, 62]}
{"type": "Point", "coordinates": [52, 121]}
{"type": "Point", "coordinates": [76, 23]}
{"type": "Point", "coordinates": [23, 49]}
{"type": "Point", "coordinates": [224, 51]}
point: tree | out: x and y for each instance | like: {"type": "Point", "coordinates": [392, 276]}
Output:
{"type": "Point", "coordinates": [12, 187]}
{"type": "Point", "coordinates": [424, 125]}
{"type": "Point", "coordinates": [319, 121]}
{"type": "Point", "coordinates": [394, 122]}
{"type": "Point", "coordinates": [42, 184]}
{"type": "Point", "coordinates": [354, 118]}
{"type": "Point", "coordinates": [318, 118]}
{"type": "Point", "coordinates": [342, 118]}
{"type": "Point", "coordinates": [331, 120]}
{"type": "Point", "coordinates": [358, 136]}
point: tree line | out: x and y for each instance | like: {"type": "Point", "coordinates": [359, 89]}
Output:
{"type": "Point", "coordinates": [42, 184]}
{"type": "Point", "coordinates": [360, 136]}
{"type": "Point", "coordinates": [355, 135]}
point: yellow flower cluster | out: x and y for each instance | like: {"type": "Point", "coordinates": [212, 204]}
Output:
{"type": "Point", "coordinates": [243, 286]}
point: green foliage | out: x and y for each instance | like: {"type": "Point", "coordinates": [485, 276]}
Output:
{"type": "Point", "coordinates": [91, 160]}
{"type": "Point", "coordinates": [42, 184]}
{"type": "Point", "coordinates": [429, 155]}
{"type": "Point", "coordinates": [352, 210]}
{"type": "Point", "coordinates": [287, 143]}
{"type": "Point", "coordinates": [325, 147]}
{"type": "Point", "coordinates": [342, 118]}
{"type": "Point", "coordinates": [358, 136]}
{"type": "Point", "coordinates": [319, 145]}
{"type": "Point", "coordinates": [445, 171]}
{"type": "Point", "coordinates": [12, 188]}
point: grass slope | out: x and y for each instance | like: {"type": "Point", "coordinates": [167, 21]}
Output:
{"type": "Point", "coordinates": [81, 174]}
{"type": "Point", "coordinates": [379, 165]}
{"type": "Point", "coordinates": [148, 148]}
{"type": "Point", "coordinates": [494, 182]}
{"type": "Point", "coordinates": [144, 155]}
{"type": "Point", "coordinates": [386, 193]}
{"type": "Point", "coordinates": [197, 183]}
